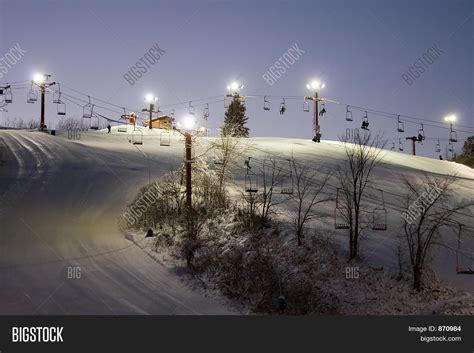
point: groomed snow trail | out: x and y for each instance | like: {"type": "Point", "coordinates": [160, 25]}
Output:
{"type": "Point", "coordinates": [59, 206]}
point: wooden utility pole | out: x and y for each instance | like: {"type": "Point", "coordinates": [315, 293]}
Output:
{"type": "Point", "coordinates": [151, 110]}
{"type": "Point", "coordinates": [43, 85]}
{"type": "Point", "coordinates": [188, 161]}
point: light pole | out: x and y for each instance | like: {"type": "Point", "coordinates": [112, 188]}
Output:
{"type": "Point", "coordinates": [151, 99]}
{"type": "Point", "coordinates": [40, 81]}
{"type": "Point", "coordinates": [315, 86]}
{"type": "Point", "coordinates": [452, 134]}
{"type": "Point", "coordinates": [186, 128]}
{"type": "Point", "coordinates": [234, 87]}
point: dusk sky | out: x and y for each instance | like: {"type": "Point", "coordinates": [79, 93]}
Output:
{"type": "Point", "coordinates": [360, 49]}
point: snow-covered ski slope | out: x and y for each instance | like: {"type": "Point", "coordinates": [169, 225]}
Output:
{"type": "Point", "coordinates": [61, 199]}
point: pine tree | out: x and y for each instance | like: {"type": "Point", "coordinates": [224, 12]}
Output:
{"type": "Point", "coordinates": [467, 156]}
{"type": "Point", "coordinates": [235, 119]}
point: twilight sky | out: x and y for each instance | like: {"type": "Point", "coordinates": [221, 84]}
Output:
{"type": "Point", "coordinates": [359, 48]}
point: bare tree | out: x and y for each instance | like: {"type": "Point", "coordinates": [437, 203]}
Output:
{"type": "Point", "coordinates": [363, 154]}
{"type": "Point", "coordinates": [272, 178]}
{"type": "Point", "coordinates": [226, 157]}
{"type": "Point", "coordinates": [308, 192]}
{"type": "Point", "coordinates": [430, 206]}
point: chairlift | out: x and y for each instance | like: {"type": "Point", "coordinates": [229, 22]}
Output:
{"type": "Point", "coordinates": [450, 147]}
{"type": "Point", "coordinates": [400, 125]}
{"type": "Point", "coordinates": [32, 95]}
{"type": "Point", "coordinates": [286, 182]}
{"type": "Point", "coordinates": [465, 269]}
{"type": "Point", "coordinates": [421, 133]}
{"type": "Point", "coordinates": [191, 108]}
{"type": "Point", "coordinates": [438, 147]}
{"type": "Point", "coordinates": [348, 114]}
{"type": "Point", "coordinates": [165, 138]}
{"type": "Point", "coordinates": [305, 106]}
{"type": "Point", "coordinates": [137, 137]}
{"type": "Point", "coordinates": [60, 105]}
{"type": "Point", "coordinates": [393, 146]}
{"type": "Point", "coordinates": [453, 136]}
{"type": "Point", "coordinates": [323, 109]}
{"type": "Point", "coordinates": [87, 110]}
{"type": "Point", "coordinates": [123, 127]}
{"type": "Point", "coordinates": [57, 95]}
{"type": "Point", "coordinates": [282, 107]}
{"type": "Point", "coordinates": [251, 180]}
{"type": "Point", "coordinates": [365, 122]}
{"type": "Point", "coordinates": [266, 104]}
{"type": "Point", "coordinates": [94, 123]}
{"type": "Point", "coordinates": [379, 215]}
{"type": "Point", "coordinates": [8, 95]}
{"type": "Point", "coordinates": [400, 145]}
{"type": "Point", "coordinates": [340, 220]}
{"type": "Point", "coordinates": [61, 108]}
{"type": "Point", "coordinates": [205, 113]}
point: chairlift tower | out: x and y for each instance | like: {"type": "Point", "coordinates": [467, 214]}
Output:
{"type": "Point", "coordinates": [151, 100]}
{"type": "Point", "coordinates": [187, 128]}
{"type": "Point", "coordinates": [413, 144]}
{"type": "Point", "coordinates": [315, 86]}
{"type": "Point", "coordinates": [40, 81]}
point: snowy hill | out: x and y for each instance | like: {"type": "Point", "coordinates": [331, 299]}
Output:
{"type": "Point", "coordinates": [62, 199]}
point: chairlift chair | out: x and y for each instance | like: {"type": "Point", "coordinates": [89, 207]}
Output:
{"type": "Point", "coordinates": [191, 108]}
{"type": "Point", "coordinates": [365, 122]}
{"type": "Point", "coordinates": [251, 180]}
{"type": "Point", "coordinates": [421, 134]}
{"type": "Point", "coordinates": [450, 147]}
{"type": "Point", "coordinates": [438, 147]}
{"type": "Point", "coordinates": [165, 138]}
{"type": "Point", "coordinates": [400, 125]}
{"type": "Point", "coordinates": [32, 95]}
{"type": "Point", "coordinates": [453, 136]}
{"type": "Point", "coordinates": [87, 110]}
{"type": "Point", "coordinates": [205, 113]}
{"type": "Point", "coordinates": [305, 106]}
{"type": "Point", "coordinates": [348, 114]}
{"type": "Point", "coordinates": [340, 221]}
{"type": "Point", "coordinates": [94, 123]}
{"type": "Point", "coordinates": [137, 137]}
{"type": "Point", "coordinates": [57, 95]}
{"type": "Point", "coordinates": [400, 145]}
{"type": "Point", "coordinates": [266, 104]}
{"type": "Point", "coordinates": [282, 107]}
{"type": "Point", "coordinates": [379, 215]}
{"type": "Point", "coordinates": [286, 182]}
{"type": "Point", "coordinates": [8, 95]}
{"type": "Point", "coordinates": [122, 127]}
{"type": "Point", "coordinates": [463, 270]}
{"type": "Point", "coordinates": [61, 108]}
{"type": "Point", "coordinates": [393, 146]}
{"type": "Point", "coordinates": [323, 109]}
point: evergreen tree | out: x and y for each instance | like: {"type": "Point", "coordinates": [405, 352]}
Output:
{"type": "Point", "coordinates": [235, 119]}
{"type": "Point", "coordinates": [467, 156]}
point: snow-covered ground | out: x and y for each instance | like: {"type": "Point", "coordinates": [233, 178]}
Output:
{"type": "Point", "coordinates": [61, 200]}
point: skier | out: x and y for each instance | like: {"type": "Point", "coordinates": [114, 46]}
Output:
{"type": "Point", "coordinates": [281, 303]}
{"type": "Point", "coordinates": [108, 129]}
